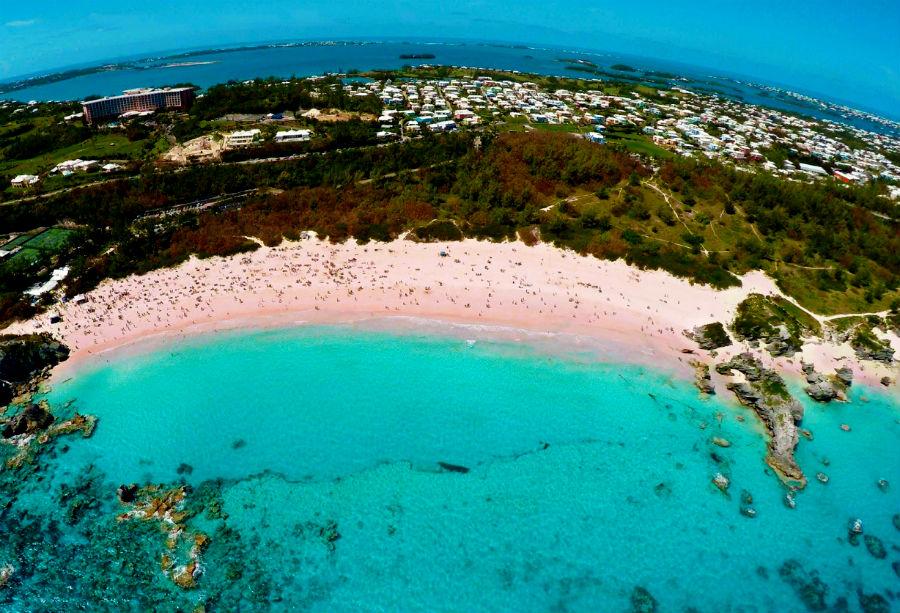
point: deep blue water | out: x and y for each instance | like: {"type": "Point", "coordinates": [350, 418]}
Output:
{"type": "Point", "coordinates": [587, 479]}
{"type": "Point", "coordinates": [317, 59]}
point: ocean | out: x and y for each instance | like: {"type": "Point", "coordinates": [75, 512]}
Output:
{"type": "Point", "coordinates": [339, 468]}
{"type": "Point", "coordinates": [316, 59]}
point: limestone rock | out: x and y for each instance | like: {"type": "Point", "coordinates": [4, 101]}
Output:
{"type": "Point", "coordinates": [702, 378]}
{"type": "Point", "coordinates": [822, 392]}
{"type": "Point", "coordinates": [766, 393]}
{"type": "Point", "coordinates": [845, 375]}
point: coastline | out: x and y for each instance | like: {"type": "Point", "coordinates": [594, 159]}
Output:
{"type": "Point", "coordinates": [638, 314]}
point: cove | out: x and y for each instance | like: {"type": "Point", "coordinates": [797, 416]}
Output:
{"type": "Point", "coordinates": [587, 479]}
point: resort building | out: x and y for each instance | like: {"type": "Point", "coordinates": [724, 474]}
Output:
{"type": "Point", "coordinates": [138, 101]}
{"type": "Point", "coordinates": [293, 136]}
{"type": "Point", "coordinates": [242, 139]}
{"type": "Point", "coordinates": [24, 180]}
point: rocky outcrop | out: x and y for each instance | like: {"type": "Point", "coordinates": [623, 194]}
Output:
{"type": "Point", "coordinates": [844, 375]}
{"type": "Point", "coordinates": [34, 427]}
{"type": "Point", "coordinates": [167, 507]}
{"type": "Point", "coordinates": [826, 389]}
{"type": "Point", "coordinates": [24, 360]}
{"type": "Point", "coordinates": [866, 344]}
{"type": "Point", "coordinates": [709, 336]}
{"type": "Point", "coordinates": [822, 392]}
{"type": "Point", "coordinates": [765, 393]}
{"type": "Point", "coordinates": [31, 420]}
{"type": "Point", "coordinates": [701, 377]}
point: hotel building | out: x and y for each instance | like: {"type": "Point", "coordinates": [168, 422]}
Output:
{"type": "Point", "coordinates": [139, 101]}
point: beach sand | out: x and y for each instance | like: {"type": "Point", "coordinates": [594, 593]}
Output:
{"type": "Point", "coordinates": [540, 289]}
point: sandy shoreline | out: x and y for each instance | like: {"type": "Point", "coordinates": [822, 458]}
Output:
{"type": "Point", "coordinates": [507, 285]}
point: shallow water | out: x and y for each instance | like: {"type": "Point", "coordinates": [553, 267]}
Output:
{"type": "Point", "coordinates": [586, 480]}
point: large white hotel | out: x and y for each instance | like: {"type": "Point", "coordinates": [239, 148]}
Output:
{"type": "Point", "coordinates": [138, 101]}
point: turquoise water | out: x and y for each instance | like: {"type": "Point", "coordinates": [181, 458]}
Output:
{"type": "Point", "coordinates": [586, 479]}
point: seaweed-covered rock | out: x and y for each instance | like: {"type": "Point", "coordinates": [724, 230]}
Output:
{"type": "Point", "coordinates": [807, 585]}
{"type": "Point", "coordinates": [896, 520]}
{"type": "Point", "coordinates": [643, 601]}
{"type": "Point", "coordinates": [709, 336]}
{"type": "Point", "coordinates": [873, 603]}
{"type": "Point", "coordinates": [875, 546]}
{"type": "Point", "coordinates": [766, 393]}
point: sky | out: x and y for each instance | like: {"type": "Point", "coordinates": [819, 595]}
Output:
{"type": "Point", "coordinates": [847, 50]}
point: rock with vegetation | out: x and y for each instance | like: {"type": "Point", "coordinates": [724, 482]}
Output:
{"type": "Point", "coordinates": [869, 347]}
{"type": "Point", "coordinates": [773, 321]}
{"type": "Point", "coordinates": [709, 336]}
{"type": "Point", "coordinates": [24, 360]}
{"type": "Point", "coordinates": [765, 392]}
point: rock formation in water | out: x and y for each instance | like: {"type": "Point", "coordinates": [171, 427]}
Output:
{"type": "Point", "coordinates": [167, 507]}
{"type": "Point", "coordinates": [24, 361]}
{"type": "Point", "coordinates": [765, 392]}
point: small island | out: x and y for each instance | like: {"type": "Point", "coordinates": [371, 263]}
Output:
{"type": "Point", "coordinates": [417, 56]}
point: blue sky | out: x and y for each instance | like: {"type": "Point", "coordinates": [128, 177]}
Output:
{"type": "Point", "coordinates": [846, 50]}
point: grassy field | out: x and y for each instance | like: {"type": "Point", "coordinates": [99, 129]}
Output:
{"type": "Point", "coordinates": [50, 239]}
{"type": "Point", "coordinates": [36, 248]}
{"type": "Point", "coordinates": [639, 143]}
{"type": "Point", "coordinates": [103, 146]}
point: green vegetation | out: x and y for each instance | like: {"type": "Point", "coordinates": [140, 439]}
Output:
{"type": "Point", "coordinates": [758, 317]}
{"type": "Point", "coordinates": [716, 335]}
{"type": "Point", "coordinates": [440, 230]}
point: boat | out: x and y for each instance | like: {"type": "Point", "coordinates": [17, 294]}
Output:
{"type": "Point", "coordinates": [822, 477]}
